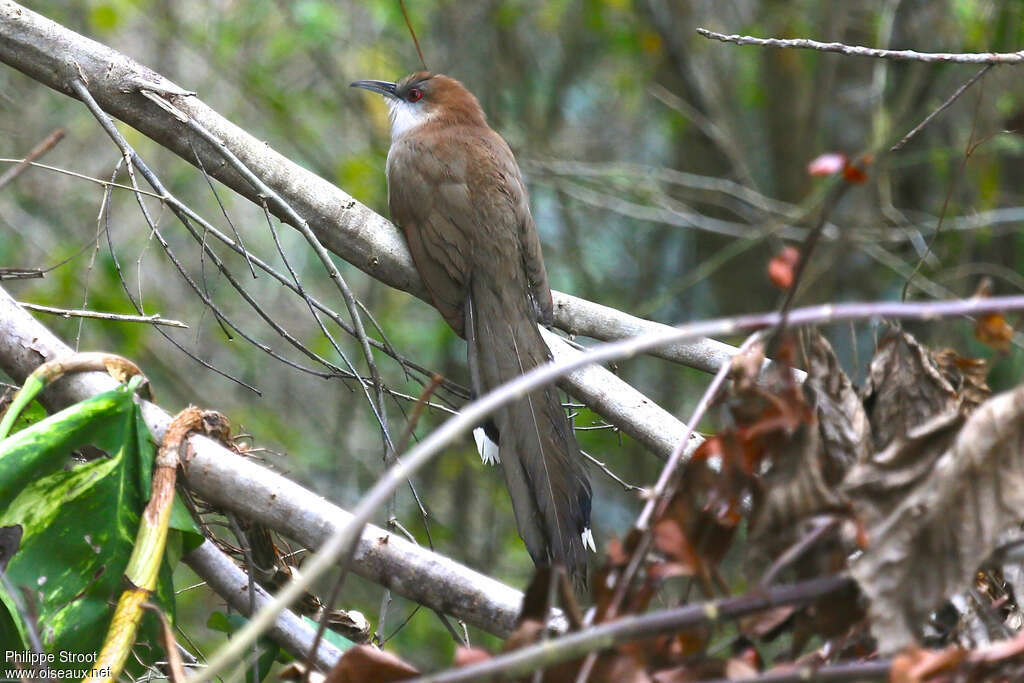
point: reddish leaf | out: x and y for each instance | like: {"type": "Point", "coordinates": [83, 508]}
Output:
{"type": "Point", "coordinates": [782, 267]}
{"type": "Point", "coordinates": [827, 164]}
{"type": "Point", "coordinates": [917, 665]}
{"type": "Point", "coordinates": [993, 330]}
{"type": "Point", "coordinates": [464, 656]}
{"type": "Point", "coordinates": [738, 669]}
{"type": "Point", "coordinates": [527, 632]}
{"type": "Point", "coordinates": [855, 173]}
{"type": "Point", "coordinates": [834, 163]}
{"type": "Point", "coordinates": [368, 663]}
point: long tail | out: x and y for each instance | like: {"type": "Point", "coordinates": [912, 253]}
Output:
{"type": "Point", "coordinates": [543, 466]}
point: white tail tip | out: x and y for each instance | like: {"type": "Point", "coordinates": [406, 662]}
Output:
{"type": "Point", "coordinates": [588, 540]}
{"type": "Point", "coordinates": [487, 449]}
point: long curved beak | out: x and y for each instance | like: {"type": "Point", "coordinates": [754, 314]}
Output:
{"type": "Point", "coordinates": [382, 87]}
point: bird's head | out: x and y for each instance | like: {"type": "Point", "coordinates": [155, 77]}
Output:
{"type": "Point", "coordinates": [424, 97]}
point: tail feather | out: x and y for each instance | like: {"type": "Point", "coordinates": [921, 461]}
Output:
{"type": "Point", "coordinates": [541, 461]}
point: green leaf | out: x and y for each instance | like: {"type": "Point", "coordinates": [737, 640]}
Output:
{"type": "Point", "coordinates": [80, 524]}
{"type": "Point", "coordinates": [34, 412]}
{"type": "Point", "coordinates": [336, 639]}
{"type": "Point", "coordinates": [43, 447]}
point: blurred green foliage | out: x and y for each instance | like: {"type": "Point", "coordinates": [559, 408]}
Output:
{"type": "Point", "coordinates": [617, 82]}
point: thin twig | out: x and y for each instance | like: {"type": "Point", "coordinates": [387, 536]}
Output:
{"type": "Point", "coordinates": [797, 549]}
{"type": "Point", "coordinates": [21, 273]}
{"type": "Point", "coordinates": [607, 470]}
{"type": "Point", "coordinates": [39, 150]}
{"type": "Point", "coordinates": [941, 108]}
{"type": "Point", "coordinates": [134, 161]}
{"type": "Point", "coordinates": [250, 570]}
{"type": "Point", "coordinates": [860, 51]}
{"type": "Point", "coordinates": [153, 319]}
{"type": "Point", "coordinates": [960, 169]}
{"type": "Point", "coordinates": [416, 42]}
{"type": "Point", "coordinates": [299, 223]}
{"type": "Point", "coordinates": [77, 84]}
{"type": "Point", "coordinates": [80, 176]}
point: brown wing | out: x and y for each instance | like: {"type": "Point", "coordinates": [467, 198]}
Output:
{"type": "Point", "coordinates": [428, 203]}
{"type": "Point", "coordinates": [529, 245]}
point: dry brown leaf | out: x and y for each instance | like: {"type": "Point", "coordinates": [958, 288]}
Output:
{"type": "Point", "coordinates": [738, 669]}
{"type": "Point", "coordinates": [362, 663]}
{"type": "Point", "coordinates": [464, 656]}
{"type": "Point", "coordinates": [842, 422]}
{"type": "Point", "coordinates": [879, 484]}
{"type": "Point", "coordinates": [904, 388]}
{"type": "Point", "coordinates": [966, 375]}
{"type": "Point", "coordinates": [928, 543]}
{"type": "Point", "coordinates": [916, 665]}
{"type": "Point", "coordinates": [807, 459]}
{"type": "Point", "coordinates": [993, 330]}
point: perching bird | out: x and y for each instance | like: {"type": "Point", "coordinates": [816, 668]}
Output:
{"type": "Point", "coordinates": [455, 190]}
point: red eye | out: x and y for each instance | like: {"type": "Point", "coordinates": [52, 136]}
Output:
{"type": "Point", "coordinates": [415, 95]}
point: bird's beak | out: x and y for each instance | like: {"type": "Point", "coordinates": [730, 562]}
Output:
{"type": "Point", "coordinates": [382, 87]}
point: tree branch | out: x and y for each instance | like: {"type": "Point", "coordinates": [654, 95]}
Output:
{"type": "Point", "coordinates": [860, 51]}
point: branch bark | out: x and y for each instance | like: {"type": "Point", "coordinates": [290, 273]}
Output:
{"type": "Point", "coordinates": [253, 491]}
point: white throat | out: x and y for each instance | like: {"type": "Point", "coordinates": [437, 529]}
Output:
{"type": "Point", "coordinates": [406, 116]}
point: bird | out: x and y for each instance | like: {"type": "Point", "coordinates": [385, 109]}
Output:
{"type": "Point", "coordinates": [457, 193]}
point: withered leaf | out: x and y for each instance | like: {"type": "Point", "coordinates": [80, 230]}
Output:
{"type": "Point", "coordinates": [806, 459]}
{"type": "Point", "coordinates": [993, 330]}
{"type": "Point", "coordinates": [842, 422]}
{"type": "Point", "coordinates": [465, 656]}
{"type": "Point", "coordinates": [699, 523]}
{"type": "Point", "coordinates": [966, 375]}
{"type": "Point", "coordinates": [916, 665]}
{"type": "Point", "coordinates": [929, 544]}
{"type": "Point", "coordinates": [879, 484]}
{"type": "Point", "coordinates": [368, 663]}
{"type": "Point", "coordinates": [904, 388]}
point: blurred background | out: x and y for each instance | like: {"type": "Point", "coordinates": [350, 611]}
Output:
{"type": "Point", "coordinates": [665, 170]}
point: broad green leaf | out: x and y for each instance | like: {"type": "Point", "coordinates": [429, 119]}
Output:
{"type": "Point", "coordinates": [80, 524]}
{"type": "Point", "coordinates": [43, 447]}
